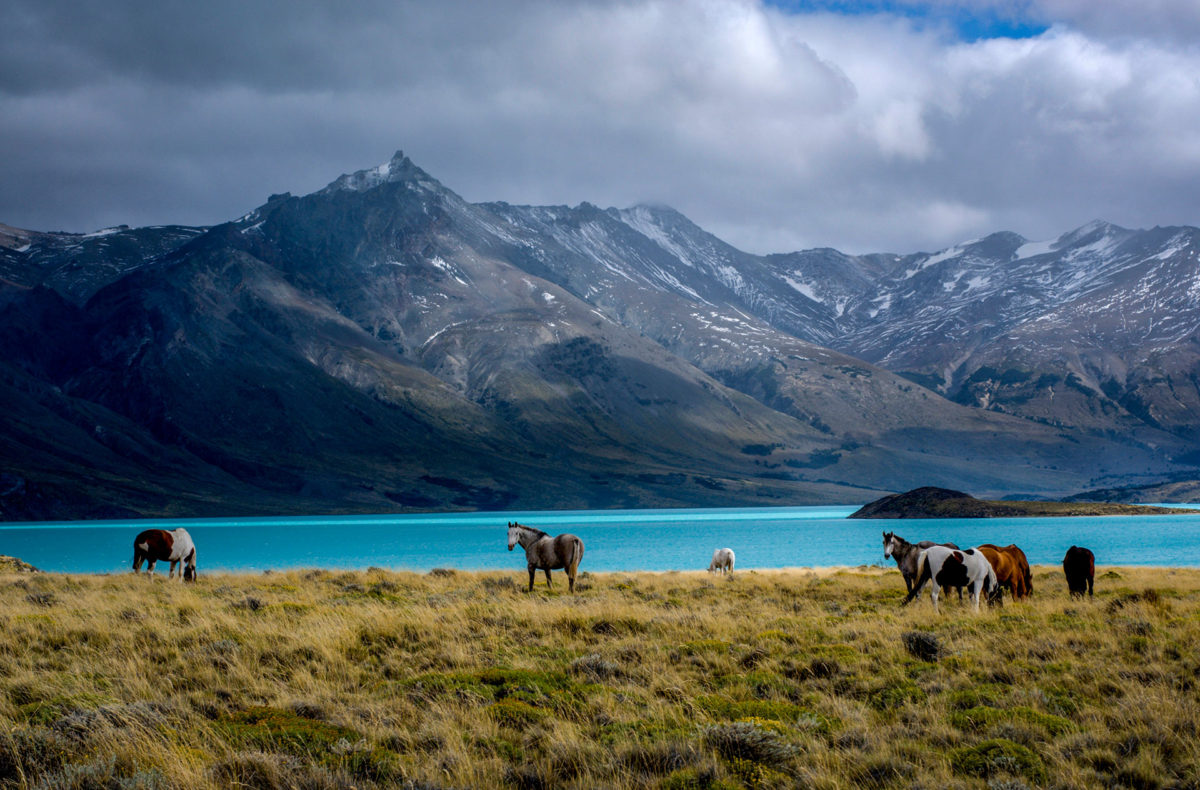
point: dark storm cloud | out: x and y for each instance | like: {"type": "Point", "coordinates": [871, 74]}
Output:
{"type": "Point", "coordinates": [775, 130]}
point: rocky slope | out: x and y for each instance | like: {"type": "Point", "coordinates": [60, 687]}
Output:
{"type": "Point", "coordinates": [382, 344]}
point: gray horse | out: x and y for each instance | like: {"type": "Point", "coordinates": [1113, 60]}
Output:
{"type": "Point", "coordinates": [547, 552]}
{"type": "Point", "coordinates": [906, 555]}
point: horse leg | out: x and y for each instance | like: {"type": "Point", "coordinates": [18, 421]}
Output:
{"type": "Point", "coordinates": [532, 575]}
{"type": "Point", "coordinates": [933, 596]}
{"type": "Point", "coordinates": [150, 566]}
{"type": "Point", "coordinates": [571, 580]}
{"type": "Point", "coordinates": [1089, 581]}
{"type": "Point", "coordinates": [549, 584]}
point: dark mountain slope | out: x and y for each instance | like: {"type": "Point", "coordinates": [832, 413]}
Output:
{"type": "Point", "coordinates": [382, 344]}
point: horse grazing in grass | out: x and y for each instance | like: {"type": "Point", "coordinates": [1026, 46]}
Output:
{"type": "Point", "coordinates": [1012, 569]}
{"type": "Point", "coordinates": [176, 547]}
{"type": "Point", "coordinates": [1080, 567]}
{"type": "Point", "coordinates": [547, 552]}
{"type": "Point", "coordinates": [955, 568]}
{"type": "Point", "coordinates": [722, 561]}
{"type": "Point", "coordinates": [906, 554]}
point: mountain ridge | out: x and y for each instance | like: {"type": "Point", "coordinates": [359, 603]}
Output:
{"type": "Point", "coordinates": [383, 344]}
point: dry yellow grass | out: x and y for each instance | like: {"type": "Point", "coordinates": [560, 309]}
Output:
{"type": "Point", "coordinates": [678, 680]}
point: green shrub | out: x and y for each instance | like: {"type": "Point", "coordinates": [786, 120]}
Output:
{"type": "Point", "coordinates": [746, 740]}
{"type": "Point", "coordinates": [273, 729]}
{"type": "Point", "coordinates": [982, 717]}
{"type": "Point", "coordinates": [331, 745]}
{"type": "Point", "coordinates": [893, 695]}
{"type": "Point", "coordinates": [996, 757]}
{"type": "Point", "coordinates": [782, 711]}
{"type": "Point", "coordinates": [696, 779]}
{"type": "Point", "coordinates": [515, 713]}
{"type": "Point", "coordinates": [48, 711]}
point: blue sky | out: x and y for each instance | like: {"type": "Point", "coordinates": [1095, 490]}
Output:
{"type": "Point", "coordinates": [966, 23]}
{"type": "Point", "coordinates": [881, 126]}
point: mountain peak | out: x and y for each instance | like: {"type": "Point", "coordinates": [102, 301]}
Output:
{"type": "Point", "coordinates": [398, 168]}
{"type": "Point", "coordinates": [1087, 234]}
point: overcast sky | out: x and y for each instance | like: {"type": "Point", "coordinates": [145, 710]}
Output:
{"type": "Point", "coordinates": [883, 125]}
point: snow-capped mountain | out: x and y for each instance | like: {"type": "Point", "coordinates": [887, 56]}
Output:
{"type": "Point", "coordinates": [383, 344]}
{"type": "Point", "coordinates": [1099, 328]}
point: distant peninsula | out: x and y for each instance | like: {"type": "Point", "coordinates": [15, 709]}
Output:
{"type": "Point", "coordinates": [930, 502]}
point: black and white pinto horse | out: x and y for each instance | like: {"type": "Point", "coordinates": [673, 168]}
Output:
{"type": "Point", "coordinates": [547, 552]}
{"type": "Point", "coordinates": [905, 554]}
{"type": "Point", "coordinates": [955, 568]}
{"type": "Point", "coordinates": [175, 547]}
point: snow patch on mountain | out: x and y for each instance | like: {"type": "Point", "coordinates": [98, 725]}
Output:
{"type": "Point", "coordinates": [1033, 249]}
{"type": "Point", "coordinates": [803, 288]}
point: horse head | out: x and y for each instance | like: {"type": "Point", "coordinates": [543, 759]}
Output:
{"type": "Point", "coordinates": [514, 534]}
{"type": "Point", "coordinates": [995, 594]}
{"type": "Point", "coordinates": [889, 539]}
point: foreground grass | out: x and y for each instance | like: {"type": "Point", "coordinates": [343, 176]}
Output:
{"type": "Point", "coordinates": [773, 679]}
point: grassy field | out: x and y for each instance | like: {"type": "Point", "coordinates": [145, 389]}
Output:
{"type": "Point", "coordinates": [317, 679]}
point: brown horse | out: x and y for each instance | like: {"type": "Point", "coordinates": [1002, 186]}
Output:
{"type": "Point", "coordinates": [546, 552]}
{"type": "Point", "coordinates": [1012, 569]}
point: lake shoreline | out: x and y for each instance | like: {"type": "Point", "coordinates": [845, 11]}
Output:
{"type": "Point", "coordinates": [680, 540]}
{"type": "Point", "coordinates": [807, 572]}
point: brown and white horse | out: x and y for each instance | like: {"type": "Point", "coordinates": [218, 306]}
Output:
{"type": "Point", "coordinates": [176, 547]}
{"type": "Point", "coordinates": [956, 568]}
{"type": "Point", "coordinates": [905, 554]}
{"type": "Point", "coordinates": [547, 552]}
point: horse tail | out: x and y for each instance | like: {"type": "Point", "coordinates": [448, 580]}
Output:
{"type": "Point", "coordinates": [576, 556]}
{"type": "Point", "coordinates": [573, 561]}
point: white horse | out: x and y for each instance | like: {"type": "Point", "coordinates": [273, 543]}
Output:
{"type": "Point", "coordinates": [955, 568]}
{"type": "Point", "coordinates": [722, 561]}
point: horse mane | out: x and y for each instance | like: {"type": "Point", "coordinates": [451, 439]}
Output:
{"type": "Point", "coordinates": [903, 547]}
{"type": "Point", "coordinates": [534, 530]}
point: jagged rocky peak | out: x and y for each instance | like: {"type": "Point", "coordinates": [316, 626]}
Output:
{"type": "Point", "coordinates": [398, 169]}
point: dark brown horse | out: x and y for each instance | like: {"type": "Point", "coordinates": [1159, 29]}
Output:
{"type": "Point", "coordinates": [547, 552]}
{"type": "Point", "coordinates": [1080, 567]}
{"type": "Point", "coordinates": [1012, 569]}
{"type": "Point", "coordinates": [906, 554]}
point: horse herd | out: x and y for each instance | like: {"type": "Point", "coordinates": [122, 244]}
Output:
{"type": "Point", "coordinates": [985, 570]}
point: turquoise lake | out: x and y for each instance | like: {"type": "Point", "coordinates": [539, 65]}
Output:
{"type": "Point", "coordinates": [615, 540]}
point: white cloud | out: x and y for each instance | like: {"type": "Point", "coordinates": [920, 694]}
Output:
{"type": "Point", "coordinates": [777, 131]}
